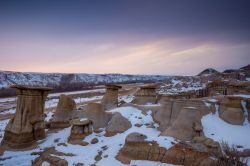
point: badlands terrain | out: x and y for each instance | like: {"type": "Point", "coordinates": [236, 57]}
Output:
{"type": "Point", "coordinates": [126, 120]}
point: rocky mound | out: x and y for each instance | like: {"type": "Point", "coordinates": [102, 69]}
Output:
{"type": "Point", "coordinates": [117, 124]}
{"type": "Point", "coordinates": [137, 148]}
{"type": "Point", "coordinates": [95, 112]}
{"type": "Point", "coordinates": [231, 110]}
{"type": "Point", "coordinates": [66, 103]}
{"type": "Point", "coordinates": [170, 109]}
{"type": "Point", "coordinates": [186, 126]}
{"type": "Point", "coordinates": [48, 157]}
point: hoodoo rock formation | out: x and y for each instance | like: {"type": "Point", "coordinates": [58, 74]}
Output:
{"type": "Point", "coordinates": [146, 94]}
{"type": "Point", "coordinates": [80, 129]}
{"type": "Point", "coordinates": [64, 112]}
{"type": "Point", "coordinates": [110, 99]}
{"type": "Point", "coordinates": [27, 125]}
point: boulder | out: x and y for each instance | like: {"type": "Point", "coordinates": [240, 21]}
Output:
{"type": "Point", "coordinates": [170, 110]}
{"type": "Point", "coordinates": [117, 124]}
{"type": "Point", "coordinates": [64, 112]}
{"type": "Point", "coordinates": [231, 110]}
{"type": "Point", "coordinates": [66, 103]}
{"type": "Point", "coordinates": [183, 127]}
{"type": "Point", "coordinates": [94, 141]}
{"type": "Point", "coordinates": [49, 157]}
{"type": "Point", "coordinates": [95, 112]}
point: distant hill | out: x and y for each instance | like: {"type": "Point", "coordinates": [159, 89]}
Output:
{"type": "Point", "coordinates": [208, 71]}
{"type": "Point", "coordinates": [8, 78]}
{"type": "Point", "coordinates": [246, 67]}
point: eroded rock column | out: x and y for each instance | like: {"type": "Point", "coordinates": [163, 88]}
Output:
{"type": "Point", "coordinates": [110, 99]}
{"type": "Point", "coordinates": [145, 95]}
{"type": "Point", "coordinates": [27, 125]}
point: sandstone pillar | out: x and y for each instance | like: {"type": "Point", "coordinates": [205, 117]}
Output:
{"type": "Point", "coordinates": [110, 99]}
{"type": "Point", "coordinates": [27, 125]}
{"type": "Point", "coordinates": [146, 94]}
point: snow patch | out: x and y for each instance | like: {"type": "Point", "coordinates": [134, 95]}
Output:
{"type": "Point", "coordinates": [219, 130]}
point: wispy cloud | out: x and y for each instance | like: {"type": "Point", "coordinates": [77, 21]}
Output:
{"type": "Point", "coordinates": [167, 56]}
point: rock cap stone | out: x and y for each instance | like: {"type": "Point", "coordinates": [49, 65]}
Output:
{"type": "Point", "coordinates": [80, 121]}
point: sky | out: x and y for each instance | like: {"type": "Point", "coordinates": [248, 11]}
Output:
{"type": "Point", "coordinates": [166, 37]}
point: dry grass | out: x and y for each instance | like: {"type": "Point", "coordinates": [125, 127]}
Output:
{"type": "Point", "coordinates": [230, 156]}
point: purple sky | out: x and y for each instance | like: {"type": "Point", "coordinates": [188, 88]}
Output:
{"type": "Point", "coordinates": [134, 36]}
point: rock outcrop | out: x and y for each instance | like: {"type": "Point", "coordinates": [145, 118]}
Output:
{"type": "Point", "coordinates": [64, 112]}
{"type": "Point", "coordinates": [137, 148]}
{"type": "Point", "coordinates": [110, 99]}
{"type": "Point", "coordinates": [96, 113]}
{"type": "Point", "coordinates": [186, 126]}
{"type": "Point", "coordinates": [170, 110]}
{"type": "Point", "coordinates": [231, 110]}
{"type": "Point", "coordinates": [117, 124]}
{"type": "Point", "coordinates": [146, 94]}
{"type": "Point", "coordinates": [27, 125]}
{"type": "Point", "coordinates": [49, 157]}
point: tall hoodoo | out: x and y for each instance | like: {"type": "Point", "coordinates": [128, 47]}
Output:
{"type": "Point", "coordinates": [27, 125]}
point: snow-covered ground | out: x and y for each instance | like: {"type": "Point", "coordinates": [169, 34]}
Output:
{"type": "Point", "coordinates": [126, 98]}
{"type": "Point", "coordinates": [180, 85]}
{"type": "Point", "coordinates": [219, 130]}
{"type": "Point", "coordinates": [86, 154]}
{"type": "Point", "coordinates": [53, 102]}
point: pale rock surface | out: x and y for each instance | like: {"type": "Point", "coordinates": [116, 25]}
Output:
{"type": "Point", "coordinates": [183, 127]}
{"type": "Point", "coordinates": [117, 124]}
{"type": "Point", "coordinates": [64, 112]}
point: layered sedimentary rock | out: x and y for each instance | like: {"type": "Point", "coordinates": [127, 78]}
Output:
{"type": "Point", "coordinates": [27, 125]}
{"type": "Point", "coordinates": [238, 88]}
{"type": "Point", "coordinates": [137, 148]}
{"type": "Point", "coordinates": [170, 109]}
{"type": "Point", "coordinates": [146, 94]}
{"type": "Point", "coordinates": [64, 112]}
{"type": "Point", "coordinates": [110, 99]}
{"type": "Point", "coordinates": [231, 110]}
{"type": "Point", "coordinates": [117, 124]}
{"type": "Point", "coordinates": [217, 87]}
{"type": "Point", "coordinates": [186, 126]}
